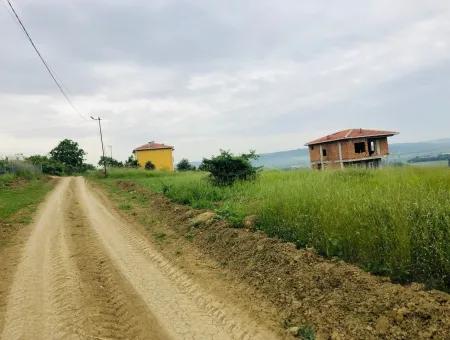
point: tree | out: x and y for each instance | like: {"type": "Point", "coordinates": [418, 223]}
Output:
{"type": "Point", "coordinates": [184, 165]}
{"type": "Point", "coordinates": [227, 168]}
{"type": "Point", "coordinates": [131, 162]}
{"type": "Point", "coordinates": [109, 162]}
{"type": "Point", "coordinates": [68, 153]}
{"type": "Point", "coordinates": [149, 166]}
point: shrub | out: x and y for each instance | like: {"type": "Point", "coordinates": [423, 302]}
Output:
{"type": "Point", "coordinates": [131, 162]}
{"type": "Point", "coordinates": [53, 168]}
{"type": "Point", "coordinates": [109, 162]}
{"type": "Point", "coordinates": [49, 166]}
{"type": "Point", "coordinates": [227, 168]}
{"type": "Point", "coordinates": [87, 167]}
{"type": "Point", "coordinates": [149, 166]}
{"type": "Point", "coordinates": [184, 165]}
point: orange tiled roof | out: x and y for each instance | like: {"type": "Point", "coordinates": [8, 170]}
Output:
{"type": "Point", "coordinates": [351, 134]}
{"type": "Point", "coordinates": [152, 146]}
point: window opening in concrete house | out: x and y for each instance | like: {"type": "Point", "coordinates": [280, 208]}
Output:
{"type": "Point", "coordinates": [371, 147]}
{"type": "Point", "coordinates": [360, 147]}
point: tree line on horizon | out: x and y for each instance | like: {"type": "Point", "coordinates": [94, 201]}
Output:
{"type": "Point", "coordinates": [68, 158]}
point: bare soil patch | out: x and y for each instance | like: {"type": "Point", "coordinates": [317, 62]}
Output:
{"type": "Point", "coordinates": [13, 238]}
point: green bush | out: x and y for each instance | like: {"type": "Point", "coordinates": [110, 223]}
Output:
{"type": "Point", "coordinates": [149, 166]}
{"type": "Point", "coordinates": [184, 165]}
{"type": "Point", "coordinates": [131, 162]}
{"type": "Point", "coordinates": [111, 162]}
{"type": "Point", "coordinates": [87, 167]}
{"type": "Point", "coordinates": [227, 168]}
{"type": "Point", "coordinates": [49, 166]}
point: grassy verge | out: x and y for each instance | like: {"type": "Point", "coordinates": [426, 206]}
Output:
{"type": "Point", "coordinates": [394, 222]}
{"type": "Point", "coordinates": [19, 198]}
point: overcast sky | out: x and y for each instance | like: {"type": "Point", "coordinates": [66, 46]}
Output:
{"type": "Point", "coordinates": [238, 75]}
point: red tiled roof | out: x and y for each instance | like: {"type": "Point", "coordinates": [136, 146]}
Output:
{"type": "Point", "coordinates": [152, 146]}
{"type": "Point", "coordinates": [351, 134]}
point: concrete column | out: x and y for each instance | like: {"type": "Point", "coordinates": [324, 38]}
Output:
{"type": "Point", "coordinates": [340, 155]}
{"type": "Point", "coordinates": [321, 158]}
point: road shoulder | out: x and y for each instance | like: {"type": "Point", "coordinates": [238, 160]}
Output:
{"type": "Point", "coordinates": [14, 232]}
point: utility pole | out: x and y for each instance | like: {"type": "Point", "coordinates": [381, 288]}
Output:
{"type": "Point", "coordinates": [101, 140]}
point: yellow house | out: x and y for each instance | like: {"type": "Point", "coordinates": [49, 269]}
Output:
{"type": "Point", "coordinates": [159, 154]}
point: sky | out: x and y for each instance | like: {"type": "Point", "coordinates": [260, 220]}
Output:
{"type": "Point", "coordinates": [207, 75]}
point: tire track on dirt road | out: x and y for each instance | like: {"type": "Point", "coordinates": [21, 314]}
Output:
{"type": "Point", "coordinates": [181, 307]}
{"type": "Point", "coordinates": [85, 273]}
{"type": "Point", "coordinates": [115, 311]}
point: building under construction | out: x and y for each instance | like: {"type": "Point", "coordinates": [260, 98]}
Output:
{"type": "Point", "coordinates": [352, 147]}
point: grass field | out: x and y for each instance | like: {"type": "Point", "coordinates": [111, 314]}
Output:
{"type": "Point", "coordinates": [19, 197]}
{"type": "Point", "coordinates": [393, 221]}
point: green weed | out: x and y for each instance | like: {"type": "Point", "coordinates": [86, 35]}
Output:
{"type": "Point", "coordinates": [160, 236]}
{"type": "Point", "coordinates": [125, 206]}
{"type": "Point", "coordinates": [306, 332]}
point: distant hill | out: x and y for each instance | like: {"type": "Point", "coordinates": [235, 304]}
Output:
{"type": "Point", "coordinates": [298, 158]}
{"type": "Point", "coordinates": [399, 152]}
{"type": "Point", "coordinates": [405, 151]}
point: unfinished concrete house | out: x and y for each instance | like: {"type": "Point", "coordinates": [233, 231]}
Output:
{"type": "Point", "coordinates": [352, 147]}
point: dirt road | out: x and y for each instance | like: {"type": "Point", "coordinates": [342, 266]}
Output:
{"type": "Point", "coordinates": [85, 273]}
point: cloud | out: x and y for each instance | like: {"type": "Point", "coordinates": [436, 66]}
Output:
{"type": "Point", "coordinates": [234, 75]}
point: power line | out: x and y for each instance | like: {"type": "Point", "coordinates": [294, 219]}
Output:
{"type": "Point", "coordinates": [46, 65]}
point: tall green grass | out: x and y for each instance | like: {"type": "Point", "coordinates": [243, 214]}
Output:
{"type": "Point", "coordinates": [393, 221]}
{"type": "Point", "coordinates": [21, 195]}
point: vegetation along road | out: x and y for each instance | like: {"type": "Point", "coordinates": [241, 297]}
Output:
{"type": "Point", "coordinates": [85, 273]}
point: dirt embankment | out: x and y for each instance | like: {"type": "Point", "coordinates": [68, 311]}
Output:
{"type": "Point", "coordinates": [338, 300]}
{"type": "Point", "coordinates": [86, 273]}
